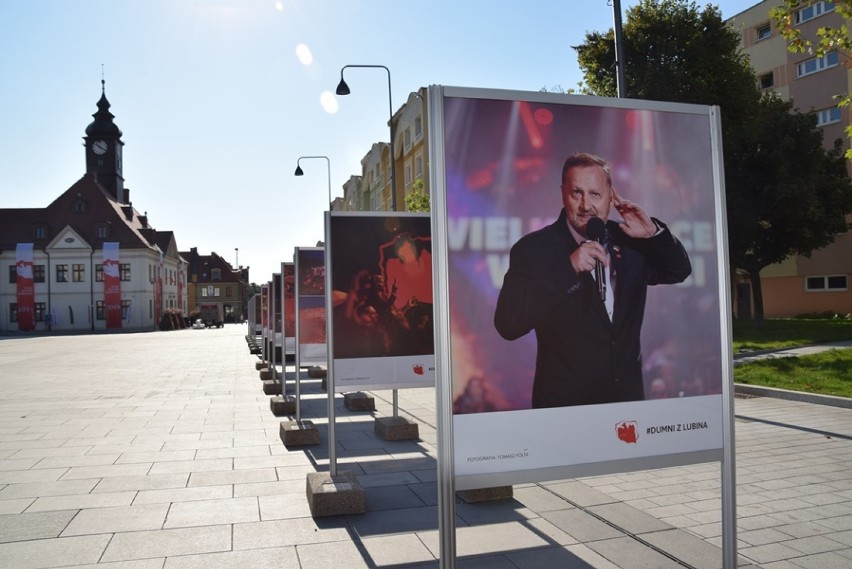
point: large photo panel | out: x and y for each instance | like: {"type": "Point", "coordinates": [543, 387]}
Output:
{"type": "Point", "coordinates": [380, 267]}
{"type": "Point", "coordinates": [310, 305]}
{"type": "Point", "coordinates": [288, 282]}
{"type": "Point", "coordinates": [575, 343]}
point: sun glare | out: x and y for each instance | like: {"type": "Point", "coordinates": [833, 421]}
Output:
{"type": "Point", "coordinates": [329, 102]}
{"type": "Point", "coordinates": [303, 52]}
{"type": "Point", "coordinates": [279, 6]}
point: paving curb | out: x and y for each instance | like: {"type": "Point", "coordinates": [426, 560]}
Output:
{"type": "Point", "coordinates": [760, 391]}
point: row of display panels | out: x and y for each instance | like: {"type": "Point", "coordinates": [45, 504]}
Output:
{"type": "Point", "coordinates": [401, 300]}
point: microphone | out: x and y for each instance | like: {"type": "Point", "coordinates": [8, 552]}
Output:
{"type": "Point", "coordinates": [596, 229]}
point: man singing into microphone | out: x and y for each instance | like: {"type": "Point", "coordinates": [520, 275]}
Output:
{"type": "Point", "coordinates": [587, 331]}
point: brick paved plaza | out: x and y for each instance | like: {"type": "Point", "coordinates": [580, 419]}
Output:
{"type": "Point", "coordinates": [159, 451]}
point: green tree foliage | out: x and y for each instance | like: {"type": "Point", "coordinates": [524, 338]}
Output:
{"type": "Point", "coordinates": [252, 289]}
{"type": "Point", "coordinates": [827, 38]}
{"type": "Point", "coordinates": [785, 193]}
{"type": "Point", "coordinates": [417, 199]}
{"type": "Point", "coordinates": [673, 51]}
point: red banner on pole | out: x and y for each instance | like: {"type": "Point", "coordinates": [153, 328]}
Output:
{"type": "Point", "coordinates": [112, 286]}
{"type": "Point", "coordinates": [158, 292]}
{"type": "Point", "coordinates": [26, 292]}
{"type": "Point", "coordinates": [180, 278]}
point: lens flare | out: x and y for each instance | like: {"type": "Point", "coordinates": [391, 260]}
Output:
{"type": "Point", "coordinates": [303, 52]}
{"type": "Point", "coordinates": [329, 102]}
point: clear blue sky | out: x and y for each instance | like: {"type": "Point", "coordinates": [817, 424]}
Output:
{"type": "Point", "coordinates": [216, 105]}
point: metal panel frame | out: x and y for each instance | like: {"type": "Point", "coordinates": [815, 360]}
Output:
{"type": "Point", "coordinates": [447, 482]}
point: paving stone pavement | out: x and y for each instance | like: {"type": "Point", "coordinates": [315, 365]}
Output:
{"type": "Point", "coordinates": [159, 451]}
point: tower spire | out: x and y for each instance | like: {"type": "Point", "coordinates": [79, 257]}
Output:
{"type": "Point", "coordinates": [104, 148]}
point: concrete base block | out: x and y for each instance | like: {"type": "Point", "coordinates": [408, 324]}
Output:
{"type": "Point", "coordinates": [299, 433]}
{"type": "Point", "coordinates": [359, 401]}
{"type": "Point", "coordinates": [338, 495]}
{"type": "Point", "coordinates": [396, 429]}
{"type": "Point", "coordinates": [258, 365]}
{"type": "Point", "coordinates": [265, 374]}
{"type": "Point", "coordinates": [485, 494]}
{"type": "Point", "coordinates": [271, 387]}
{"type": "Point", "coordinates": [282, 405]}
{"type": "Point", "coordinates": [316, 372]}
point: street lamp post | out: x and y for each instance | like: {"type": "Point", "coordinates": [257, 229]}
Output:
{"type": "Point", "coordinates": [343, 89]}
{"type": "Point", "coordinates": [299, 172]}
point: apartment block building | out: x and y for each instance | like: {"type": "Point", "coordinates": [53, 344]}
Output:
{"type": "Point", "coordinates": [819, 283]}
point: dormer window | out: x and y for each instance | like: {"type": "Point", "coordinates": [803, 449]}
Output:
{"type": "Point", "coordinates": [102, 231]}
{"type": "Point", "coordinates": [79, 206]}
{"type": "Point", "coordinates": [40, 231]}
{"type": "Point", "coordinates": [216, 274]}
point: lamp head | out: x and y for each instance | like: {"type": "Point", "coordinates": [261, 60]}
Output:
{"type": "Point", "coordinates": [298, 171]}
{"type": "Point", "coordinates": [342, 88]}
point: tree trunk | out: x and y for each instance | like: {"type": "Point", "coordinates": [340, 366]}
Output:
{"type": "Point", "coordinates": [756, 294]}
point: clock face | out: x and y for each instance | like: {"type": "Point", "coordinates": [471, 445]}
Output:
{"type": "Point", "coordinates": [99, 147]}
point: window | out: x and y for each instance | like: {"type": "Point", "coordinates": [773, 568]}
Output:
{"type": "Point", "coordinates": [125, 308]}
{"type": "Point", "coordinates": [99, 273]}
{"type": "Point", "coordinates": [39, 232]}
{"type": "Point", "coordinates": [826, 283]}
{"type": "Point", "coordinates": [124, 271]}
{"type": "Point", "coordinates": [418, 167]}
{"type": "Point", "coordinates": [814, 10]}
{"type": "Point", "coordinates": [228, 291]}
{"type": "Point", "coordinates": [79, 206]}
{"type": "Point", "coordinates": [766, 81]}
{"type": "Point", "coordinates": [62, 273]}
{"type": "Point", "coordinates": [216, 274]}
{"type": "Point", "coordinates": [39, 311]}
{"type": "Point", "coordinates": [78, 273]}
{"type": "Point", "coordinates": [102, 231]}
{"type": "Point", "coordinates": [763, 31]}
{"type": "Point", "coordinates": [828, 116]}
{"type": "Point", "coordinates": [99, 310]}
{"type": "Point", "coordinates": [38, 274]}
{"type": "Point", "coordinates": [418, 127]}
{"type": "Point", "coordinates": [816, 64]}
{"type": "Point", "coordinates": [407, 174]}
{"type": "Point", "coordinates": [13, 312]}
{"type": "Point", "coordinates": [407, 138]}
{"type": "Point", "coordinates": [203, 292]}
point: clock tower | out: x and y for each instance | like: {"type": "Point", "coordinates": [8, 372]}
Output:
{"type": "Point", "coordinates": [103, 149]}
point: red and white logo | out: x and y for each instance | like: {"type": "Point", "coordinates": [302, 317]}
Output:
{"type": "Point", "coordinates": [627, 431]}
{"type": "Point", "coordinates": [417, 369]}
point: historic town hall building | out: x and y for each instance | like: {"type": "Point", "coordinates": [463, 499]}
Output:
{"type": "Point", "coordinates": [89, 260]}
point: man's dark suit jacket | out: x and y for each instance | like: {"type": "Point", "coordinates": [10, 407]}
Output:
{"type": "Point", "coordinates": [583, 358]}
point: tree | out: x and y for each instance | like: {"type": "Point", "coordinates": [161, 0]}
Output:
{"type": "Point", "coordinates": [252, 289]}
{"type": "Point", "coordinates": [785, 192]}
{"type": "Point", "coordinates": [674, 52]}
{"type": "Point", "coordinates": [417, 199]}
{"type": "Point", "coordinates": [787, 195]}
{"type": "Point", "coordinates": [828, 38]}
